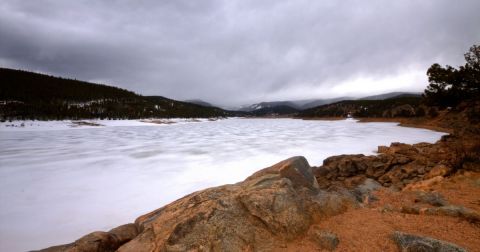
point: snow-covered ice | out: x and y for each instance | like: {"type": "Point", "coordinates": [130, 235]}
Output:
{"type": "Point", "coordinates": [58, 183]}
{"type": "Point", "coordinates": [82, 124]}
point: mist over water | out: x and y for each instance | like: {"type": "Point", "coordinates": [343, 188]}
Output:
{"type": "Point", "coordinates": [57, 185]}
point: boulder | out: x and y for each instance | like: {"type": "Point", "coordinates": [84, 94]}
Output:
{"type": "Point", "coordinates": [456, 211]}
{"type": "Point", "coordinates": [432, 198]}
{"type": "Point", "coordinates": [96, 242]}
{"type": "Point", "coordinates": [296, 169]}
{"type": "Point", "coordinates": [324, 239]}
{"type": "Point", "coordinates": [363, 192]}
{"type": "Point", "coordinates": [414, 243]}
{"type": "Point", "coordinates": [99, 241]}
{"type": "Point", "coordinates": [272, 206]}
{"type": "Point", "coordinates": [125, 232]}
{"type": "Point", "coordinates": [401, 148]}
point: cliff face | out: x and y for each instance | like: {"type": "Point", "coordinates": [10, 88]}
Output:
{"type": "Point", "coordinates": [350, 203]}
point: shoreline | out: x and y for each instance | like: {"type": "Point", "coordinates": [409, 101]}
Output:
{"type": "Point", "coordinates": [421, 123]}
{"type": "Point", "coordinates": [322, 118]}
{"type": "Point", "coordinates": [410, 122]}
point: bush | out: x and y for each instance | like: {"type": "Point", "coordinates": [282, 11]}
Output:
{"type": "Point", "coordinates": [420, 112]}
{"type": "Point", "coordinates": [433, 112]}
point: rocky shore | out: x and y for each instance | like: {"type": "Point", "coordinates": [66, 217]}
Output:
{"type": "Point", "coordinates": [421, 197]}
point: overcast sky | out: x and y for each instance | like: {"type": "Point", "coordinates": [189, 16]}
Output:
{"type": "Point", "coordinates": [236, 52]}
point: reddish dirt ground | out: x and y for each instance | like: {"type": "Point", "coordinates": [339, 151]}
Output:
{"type": "Point", "coordinates": [370, 228]}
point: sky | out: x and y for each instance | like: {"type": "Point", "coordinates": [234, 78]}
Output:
{"type": "Point", "coordinates": [237, 52]}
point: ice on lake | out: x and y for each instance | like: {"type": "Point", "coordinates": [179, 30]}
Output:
{"type": "Point", "coordinates": [59, 183]}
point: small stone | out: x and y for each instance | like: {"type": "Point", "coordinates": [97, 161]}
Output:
{"type": "Point", "coordinates": [432, 198]}
{"type": "Point", "coordinates": [363, 192]}
{"type": "Point", "coordinates": [420, 246]}
{"type": "Point", "coordinates": [387, 208]}
{"type": "Point", "coordinates": [410, 210]}
{"type": "Point", "coordinates": [324, 239]}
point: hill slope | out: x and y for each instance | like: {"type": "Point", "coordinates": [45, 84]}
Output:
{"type": "Point", "coordinates": [402, 106]}
{"type": "Point", "coordinates": [27, 95]}
{"type": "Point", "coordinates": [299, 105]}
{"type": "Point", "coordinates": [320, 102]}
{"type": "Point", "coordinates": [267, 105]}
{"type": "Point", "coordinates": [200, 102]}
{"type": "Point", "coordinates": [277, 110]}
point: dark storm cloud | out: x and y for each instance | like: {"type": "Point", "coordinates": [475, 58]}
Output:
{"type": "Point", "coordinates": [234, 52]}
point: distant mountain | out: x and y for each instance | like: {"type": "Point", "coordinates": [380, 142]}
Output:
{"type": "Point", "coordinates": [391, 95]}
{"type": "Point", "coordinates": [277, 110]}
{"type": "Point", "coordinates": [200, 102]}
{"type": "Point", "coordinates": [268, 105]}
{"type": "Point", "coordinates": [27, 95]}
{"type": "Point", "coordinates": [311, 103]}
{"type": "Point", "coordinates": [288, 107]}
{"type": "Point", "coordinates": [319, 102]}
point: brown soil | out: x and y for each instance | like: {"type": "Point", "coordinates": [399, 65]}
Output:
{"type": "Point", "coordinates": [370, 228]}
{"type": "Point", "coordinates": [462, 189]}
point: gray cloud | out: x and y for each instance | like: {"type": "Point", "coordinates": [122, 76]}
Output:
{"type": "Point", "coordinates": [236, 51]}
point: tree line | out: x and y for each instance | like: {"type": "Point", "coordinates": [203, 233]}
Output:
{"type": "Point", "coordinates": [26, 95]}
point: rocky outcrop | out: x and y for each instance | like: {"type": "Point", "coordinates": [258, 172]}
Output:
{"type": "Point", "coordinates": [268, 209]}
{"type": "Point", "coordinates": [414, 243]}
{"type": "Point", "coordinates": [398, 165]}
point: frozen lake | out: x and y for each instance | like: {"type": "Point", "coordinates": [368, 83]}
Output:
{"type": "Point", "coordinates": [59, 183]}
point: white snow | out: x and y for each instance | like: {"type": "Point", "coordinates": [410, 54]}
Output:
{"type": "Point", "coordinates": [29, 125]}
{"type": "Point", "coordinates": [58, 183]}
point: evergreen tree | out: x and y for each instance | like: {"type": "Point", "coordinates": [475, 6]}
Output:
{"type": "Point", "coordinates": [449, 86]}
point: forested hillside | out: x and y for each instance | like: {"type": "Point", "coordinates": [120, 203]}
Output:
{"type": "Point", "coordinates": [27, 95]}
{"type": "Point", "coordinates": [394, 107]}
